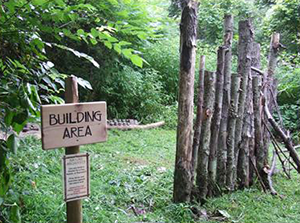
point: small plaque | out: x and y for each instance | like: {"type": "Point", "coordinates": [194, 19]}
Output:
{"type": "Point", "coordinates": [76, 176]}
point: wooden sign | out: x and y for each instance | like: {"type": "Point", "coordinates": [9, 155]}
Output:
{"type": "Point", "coordinates": [76, 176]}
{"type": "Point", "coordinates": [73, 124]}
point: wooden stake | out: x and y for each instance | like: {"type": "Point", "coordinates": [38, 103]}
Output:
{"type": "Point", "coordinates": [198, 122]}
{"type": "Point", "coordinates": [232, 115]}
{"type": "Point", "coordinates": [216, 121]}
{"type": "Point", "coordinates": [208, 110]}
{"type": "Point", "coordinates": [74, 208]}
{"type": "Point", "coordinates": [222, 141]}
{"type": "Point", "coordinates": [246, 36]}
{"type": "Point", "coordinates": [183, 164]}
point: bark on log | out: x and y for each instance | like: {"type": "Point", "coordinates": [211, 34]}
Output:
{"type": "Point", "coordinates": [197, 124]}
{"type": "Point", "coordinates": [270, 85]}
{"type": "Point", "coordinates": [203, 153]}
{"type": "Point", "coordinates": [216, 120]}
{"type": "Point", "coordinates": [222, 146]}
{"type": "Point", "coordinates": [286, 140]}
{"type": "Point", "coordinates": [233, 108]}
{"type": "Point", "coordinates": [255, 63]}
{"type": "Point", "coordinates": [243, 156]}
{"type": "Point", "coordinates": [259, 147]}
{"type": "Point", "coordinates": [246, 36]}
{"type": "Point", "coordinates": [183, 164]}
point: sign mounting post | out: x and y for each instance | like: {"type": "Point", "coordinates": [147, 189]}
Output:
{"type": "Point", "coordinates": [74, 208]}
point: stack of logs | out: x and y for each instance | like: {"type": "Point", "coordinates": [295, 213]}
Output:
{"type": "Point", "coordinates": [231, 132]}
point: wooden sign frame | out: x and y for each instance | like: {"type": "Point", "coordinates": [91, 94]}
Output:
{"type": "Point", "coordinates": [73, 124]}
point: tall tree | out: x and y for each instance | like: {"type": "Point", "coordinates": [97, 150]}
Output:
{"type": "Point", "coordinates": [183, 164]}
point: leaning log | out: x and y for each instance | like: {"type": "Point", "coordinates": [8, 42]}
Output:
{"type": "Point", "coordinates": [183, 163]}
{"type": "Point", "coordinates": [284, 137]}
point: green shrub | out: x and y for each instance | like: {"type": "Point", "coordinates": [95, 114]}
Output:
{"type": "Point", "coordinates": [163, 56]}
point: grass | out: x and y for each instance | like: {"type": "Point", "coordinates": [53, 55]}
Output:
{"type": "Point", "coordinates": [130, 172]}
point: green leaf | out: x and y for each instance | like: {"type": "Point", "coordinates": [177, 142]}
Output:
{"type": "Point", "coordinates": [78, 54]}
{"type": "Point", "coordinates": [137, 60]}
{"type": "Point", "coordinates": [117, 48]}
{"type": "Point", "coordinates": [84, 83]}
{"type": "Point", "coordinates": [60, 2]}
{"type": "Point", "coordinates": [127, 53]}
{"type": "Point", "coordinates": [15, 215]}
{"type": "Point", "coordinates": [93, 41]}
{"type": "Point", "coordinates": [80, 32]}
{"type": "Point", "coordinates": [94, 33]}
{"type": "Point", "coordinates": [124, 43]}
{"type": "Point", "coordinates": [8, 117]}
{"type": "Point", "coordinates": [12, 143]}
{"type": "Point", "coordinates": [108, 44]}
{"type": "Point", "coordinates": [38, 2]}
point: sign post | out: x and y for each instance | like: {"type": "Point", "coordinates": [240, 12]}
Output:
{"type": "Point", "coordinates": [74, 208]}
{"type": "Point", "coordinates": [71, 125]}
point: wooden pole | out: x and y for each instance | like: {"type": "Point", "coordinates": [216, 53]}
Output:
{"type": "Point", "coordinates": [203, 153]}
{"type": "Point", "coordinates": [215, 123]}
{"type": "Point", "coordinates": [198, 122]}
{"type": "Point", "coordinates": [183, 164]}
{"type": "Point", "coordinates": [232, 115]}
{"type": "Point", "coordinates": [246, 36]}
{"type": "Point", "coordinates": [253, 144]}
{"type": "Point", "coordinates": [222, 141]}
{"type": "Point", "coordinates": [74, 208]}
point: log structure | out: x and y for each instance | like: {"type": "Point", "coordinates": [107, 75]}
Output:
{"type": "Point", "coordinates": [233, 122]}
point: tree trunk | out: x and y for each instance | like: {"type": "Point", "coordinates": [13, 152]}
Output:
{"type": "Point", "coordinates": [216, 119]}
{"type": "Point", "coordinates": [246, 35]}
{"type": "Point", "coordinates": [183, 164]}
{"type": "Point", "coordinates": [203, 154]}
{"type": "Point", "coordinates": [222, 146]}
{"type": "Point", "coordinates": [197, 125]}
{"type": "Point", "coordinates": [233, 109]}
